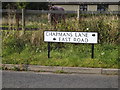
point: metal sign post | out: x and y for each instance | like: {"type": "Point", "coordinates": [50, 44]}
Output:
{"type": "Point", "coordinates": [49, 49]}
{"type": "Point", "coordinates": [92, 51]}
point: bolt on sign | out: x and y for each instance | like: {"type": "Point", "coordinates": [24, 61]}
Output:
{"type": "Point", "coordinates": [71, 37]}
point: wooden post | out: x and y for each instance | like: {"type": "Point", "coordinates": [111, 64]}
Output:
{"type": "Point", "coordinates": [23, 20]}
{"type": "Point", "coordinates": [9, 17]}
{"type": "Point", "coordinates": [17, 20]}
{"type": "Point", "coordinates": [0, 14]}
{"type": "Point", "coordinates": [78, 14]}
{"type": "Point", "coordinates": [1, 39]}
{"type": "Point", "coordinates": [49, 17]}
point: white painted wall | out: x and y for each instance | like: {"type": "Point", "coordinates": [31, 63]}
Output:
{"type": "Point", "coordinates": [113, 8]}
{"type": "Point", "coordinates": [69, 7]}
{"type": "Point", "coordinates": [92, 7]}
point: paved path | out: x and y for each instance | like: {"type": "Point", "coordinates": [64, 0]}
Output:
{"type": "Point", "coordinates": [12, 79]}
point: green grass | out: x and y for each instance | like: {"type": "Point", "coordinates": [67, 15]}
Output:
{"type": "Point", "coordinates": [106, 56]}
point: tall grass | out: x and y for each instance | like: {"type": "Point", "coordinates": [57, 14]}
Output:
{"type": "Point", "coordinates": [31, 49]}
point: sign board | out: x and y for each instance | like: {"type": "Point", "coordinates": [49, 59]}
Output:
{"type": "Point", "coordinates": [71, 37]}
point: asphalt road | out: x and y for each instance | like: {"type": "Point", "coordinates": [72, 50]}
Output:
{"type": "Point", "coordinates": [12, 79]}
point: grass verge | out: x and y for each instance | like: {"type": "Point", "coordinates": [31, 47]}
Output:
{"type": "Point", "coordinates": [71, 55]}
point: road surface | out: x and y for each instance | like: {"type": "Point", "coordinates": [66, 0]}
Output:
{"type": "Point", "coordinates": [13, 79]}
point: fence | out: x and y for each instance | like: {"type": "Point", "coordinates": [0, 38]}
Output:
{"type": "Point", "coordinates": [59, 12]}
{"type": "Point", "coordinates": [24, 13]}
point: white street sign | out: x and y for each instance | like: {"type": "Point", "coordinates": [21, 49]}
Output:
{"type": "Point", "coordinates": [70, 37]}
